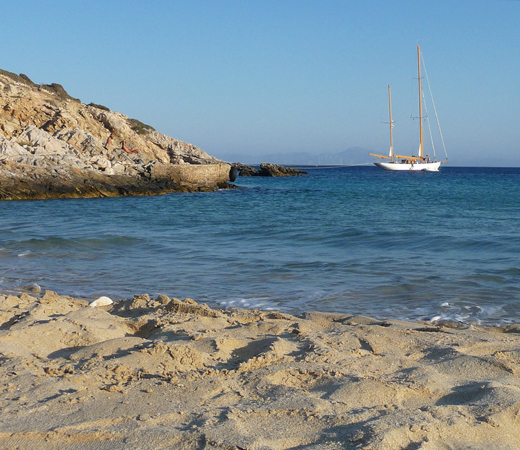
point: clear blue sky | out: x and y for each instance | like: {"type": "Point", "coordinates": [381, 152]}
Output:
{"type": "Point", "coordinates": [250, 77]}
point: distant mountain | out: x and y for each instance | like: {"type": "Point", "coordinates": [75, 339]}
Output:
{"type": "Point", "coordinates": [351, 156]}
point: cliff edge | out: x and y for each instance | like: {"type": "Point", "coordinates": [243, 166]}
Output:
{"type": "Point", "coordinates": [54, 146]}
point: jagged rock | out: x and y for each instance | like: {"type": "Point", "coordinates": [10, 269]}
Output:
{"type": "Point", "coordinates": [10, 149]}
{"type": "Point", "coordinates": [118, 169]}
{"type": "Point", "coordinates": [274, 170]}
{"type": "Point", "coordinates": [80, 140]}
{"type": "Point", "coordinates": [38, 141]}
{"type": "Point", "coordinates": [101, 163]}
{"type": "Point", "coordinates": [114, 122]}
{"type": "Point", "coordinates": [245, 171]}
{"type": "Point", "coordinates": [267, 170]}
{"type": "Point", "coordinates": [52, 145]}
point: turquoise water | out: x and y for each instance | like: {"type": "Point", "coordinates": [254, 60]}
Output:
{"type": "Point", "coordinates": [354, 240]}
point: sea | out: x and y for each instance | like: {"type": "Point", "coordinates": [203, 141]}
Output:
{"type": "Point", "coordinates": [351, 240]}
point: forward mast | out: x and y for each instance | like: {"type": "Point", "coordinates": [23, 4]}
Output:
{"type": "Point", "coordinates": [421, 154]}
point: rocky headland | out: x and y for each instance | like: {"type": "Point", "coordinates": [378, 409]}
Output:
{"type": "Point", "coordinates": [54, 146]}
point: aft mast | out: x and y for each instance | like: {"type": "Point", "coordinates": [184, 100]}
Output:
{"type": "Point", "coordinates": [391, 123]}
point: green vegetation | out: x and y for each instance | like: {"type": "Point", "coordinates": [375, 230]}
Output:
{"type": "Point", "coordinates": [95, 105]}
{"type": "Point", "coordinates": [56, 88]}
{"type": "Point", "coordinates": [139, 127]}
{"type": "Point", "coordinates": [27, 143]}
{"type": "Point", "coordinates": [22, 78]}
{"type": "Point", "coordinates": [59, 90]}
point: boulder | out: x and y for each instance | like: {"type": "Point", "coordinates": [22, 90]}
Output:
{"type": "Point", "coordinates": [38, 141]}
{"type": "Point", "coordinates": [10, 149]}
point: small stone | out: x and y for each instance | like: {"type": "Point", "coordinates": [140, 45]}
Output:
{"type": "Point", "coordinates": [34, 288]}
{"type": "Point", "coordinates": [358, 435]}
{"type": "Point", "coordinates": [101, 301]}
{"type": "Point", "coordinates": [162, 299]}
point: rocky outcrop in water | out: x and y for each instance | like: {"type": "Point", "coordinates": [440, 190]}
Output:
{"type": "Point", "coordinates": [52, 145]}
{"type": "Point", "coordinates": [267, 170]}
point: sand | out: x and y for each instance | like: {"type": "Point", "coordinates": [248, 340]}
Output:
{"type": "Point", "coordinates": [169, 374]}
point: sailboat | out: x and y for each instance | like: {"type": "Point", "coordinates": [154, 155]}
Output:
{"type": "Point", "coordinates": [414, 163]}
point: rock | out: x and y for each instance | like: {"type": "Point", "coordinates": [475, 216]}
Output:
{"type": "Point", "coordinates": [34, 288]}
{"type": "Point", "coordinates": [273, 170]}
{"type": "Point", "coordinates": [118, 169]}
{"type": "Point", "coordinates": [10, 149]}
{"type": "Point", "coordinates": [38, 141]}
{"type": "Point", "coordinates": [101, 163]}
{"type": "Point", "coordinates": [163, 299]}
{"type": "Point", "coordinates": [267, 170]}
{"type": "Point", "coordinates": [114, 122]}
{"type": "Point", "coordinates": [245, 171]}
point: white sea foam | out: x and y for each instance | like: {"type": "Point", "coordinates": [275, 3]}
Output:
{"type": "Point", "coordinates": [263, 303]}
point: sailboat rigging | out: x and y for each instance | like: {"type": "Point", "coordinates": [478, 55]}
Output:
{"type": "Point", "coordinates": [414, 163]}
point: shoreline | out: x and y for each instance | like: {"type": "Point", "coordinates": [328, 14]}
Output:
{"type": "Point", "coordinates": [166, 373]}
{"type": "Point", "coordinates": [435, 321]}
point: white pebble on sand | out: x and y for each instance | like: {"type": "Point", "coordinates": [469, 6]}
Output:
{"type": "Point", "coordinates": [101, 301]}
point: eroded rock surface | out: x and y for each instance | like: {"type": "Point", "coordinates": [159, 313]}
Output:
{"type": "Point", "coordinates": [52, 145]}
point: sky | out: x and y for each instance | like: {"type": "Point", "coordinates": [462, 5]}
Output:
{"type": "Point", "coordinates": [244, 78]}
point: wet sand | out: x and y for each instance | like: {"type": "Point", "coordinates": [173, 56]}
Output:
{"type": "Point", "coordinates": [164, 373]}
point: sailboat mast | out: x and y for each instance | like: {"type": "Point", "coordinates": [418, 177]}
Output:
{"type": "Point", "coordinates": [421, 155]}
{"type": "Point", "coordinates": [391, 123]}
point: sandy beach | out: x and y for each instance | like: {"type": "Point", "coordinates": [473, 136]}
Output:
{"type": "Point", "coordinates": [169, 374]}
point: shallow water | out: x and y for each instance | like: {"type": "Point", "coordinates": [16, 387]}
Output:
{"type": "Point", "coordinates": [350, 240]}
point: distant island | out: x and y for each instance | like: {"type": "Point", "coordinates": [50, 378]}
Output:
{"type": "Point", "coordinates": [350, 157]}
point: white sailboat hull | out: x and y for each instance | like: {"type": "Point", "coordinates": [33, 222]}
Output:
{"type": "Point", "coordinates": [394, 166]}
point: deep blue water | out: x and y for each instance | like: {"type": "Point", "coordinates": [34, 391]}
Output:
{"type": "Point", "coordinates": [354, 240]}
